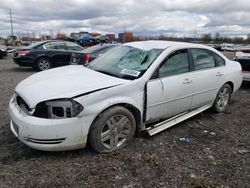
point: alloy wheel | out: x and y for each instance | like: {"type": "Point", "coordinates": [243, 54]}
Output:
{"type": "Point", "coordinates": [116, 132]}
{"type": "Point", "coordinates": [223, 98]}
{"type": "Point", "coordinates": [44, 64]}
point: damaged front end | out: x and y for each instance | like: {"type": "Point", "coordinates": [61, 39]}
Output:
{"type": "Point", "coordinates": [52, 109]}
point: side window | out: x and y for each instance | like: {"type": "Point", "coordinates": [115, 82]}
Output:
{"type": "Point", "coordinates": [203, 59]}
{"type": "Point", "coordinates": [176, 63]}
{"type": "Point", "coordinates": [47, 46]}
{"type": "Point", "coordinates": [219, 60]}
{"type": "Point", "coordinates": [57, 45]}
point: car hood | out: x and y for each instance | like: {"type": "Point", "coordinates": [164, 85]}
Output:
{"type": "Point", "coordinates": [65, 82]}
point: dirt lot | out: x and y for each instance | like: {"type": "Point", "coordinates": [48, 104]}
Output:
{"type": "Point", "coordinates": [218, 154]}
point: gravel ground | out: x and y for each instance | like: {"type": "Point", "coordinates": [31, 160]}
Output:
{"type": "Point", "coordinates": [218, 154]}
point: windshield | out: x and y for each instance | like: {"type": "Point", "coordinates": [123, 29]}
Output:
{"type": "Point", "coordinates": [125, 62]}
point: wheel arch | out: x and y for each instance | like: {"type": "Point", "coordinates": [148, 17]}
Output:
{"type": "Point", "coordinates": [42, 56]}
{"type": "Point", "coordinates": [231, 85]}
{"type": "Point", "coordinates": [135, 112]}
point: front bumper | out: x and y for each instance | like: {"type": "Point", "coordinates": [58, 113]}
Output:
{"type": "Point", "coordinates": [49, 134]}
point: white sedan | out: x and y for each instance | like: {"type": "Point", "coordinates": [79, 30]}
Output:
{"type": "Point", "coordinates": [144, 86]}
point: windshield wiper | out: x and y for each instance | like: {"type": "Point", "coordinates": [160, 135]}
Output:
{"type": "Point", "coordinates": [105, 72]}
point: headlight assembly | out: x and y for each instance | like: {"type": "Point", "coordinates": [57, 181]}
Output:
{"type": "Point", "coordinates": [58, 109]}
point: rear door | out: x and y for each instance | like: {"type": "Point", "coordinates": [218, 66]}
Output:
{"type": "Point", "coordinates": [169, 92]}
{"type": "Point", "coordinates": [208, 72]}
{"type": "Point", "coordinates": [57, 52]}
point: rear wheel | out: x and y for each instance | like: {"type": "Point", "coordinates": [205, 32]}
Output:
{"type": "Point", "coordinates": [43, 64]}
{"type": "Point", "coordinates": [112, 130]}
{"type": "Point", "coordinates": [222, 98]}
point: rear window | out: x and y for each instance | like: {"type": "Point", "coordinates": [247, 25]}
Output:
{"type": "Point", "coordinates": [96, 48]}
{"type": "Point", "coordinates": [35, 45]}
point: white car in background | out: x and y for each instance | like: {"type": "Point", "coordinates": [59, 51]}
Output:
{"type": "Point", "coordinates": [227, 47]}
{"type": "Point", "coordinates": [242, 55]}
{"type": "Point", "coordinates": [145, 86]}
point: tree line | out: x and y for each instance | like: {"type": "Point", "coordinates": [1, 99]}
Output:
{"type": "Point", "coordinates": [205, 38]}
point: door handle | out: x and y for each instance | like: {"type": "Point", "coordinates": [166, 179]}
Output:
{"type": "Point", "coordinates": [187, 81]}
{"type": "Point", "coordinates": [219, 74]}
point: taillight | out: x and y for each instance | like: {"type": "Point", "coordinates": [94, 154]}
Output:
{"type": "Point", "coordinates": [86, 59]}
{"type": "Point", "coordinates": [23, 52]}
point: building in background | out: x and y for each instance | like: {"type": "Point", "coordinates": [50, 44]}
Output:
{"type": "Point", "coordinates": [126, 37]}
{"type": "Point", "coordinates": [111, 37]}
{"type": "Point", "coordinates": [61, 36]}
{"type": "Point", "coordinates": [94, 34]}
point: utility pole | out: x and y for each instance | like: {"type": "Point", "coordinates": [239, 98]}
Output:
{"type": "Point", "coordinates": [12, 33]}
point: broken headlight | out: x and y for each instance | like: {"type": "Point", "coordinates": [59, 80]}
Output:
{"type": "Point", "coordinates": [57, 109]}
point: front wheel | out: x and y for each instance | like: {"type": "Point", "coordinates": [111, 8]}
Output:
{"type": "Point", "coordinates": [222, 98]}
{"type": "Point", "coordinates": [43, 64]}
{"type": "Point", "coordinates": [112, 130]}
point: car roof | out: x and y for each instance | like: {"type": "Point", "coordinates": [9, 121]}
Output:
{"type": "Point", "coordinates": [159, 44]}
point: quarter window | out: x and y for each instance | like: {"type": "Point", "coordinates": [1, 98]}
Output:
{"type": "Point", "coordinates": [176, 63]}
{"type": "Point", "coordinates": [219, 60]}
{"type": "Point", "coordinates": [203, 59]}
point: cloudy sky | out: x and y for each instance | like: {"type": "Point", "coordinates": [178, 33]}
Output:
{"type": "Point", "coordinates": [143, 17]}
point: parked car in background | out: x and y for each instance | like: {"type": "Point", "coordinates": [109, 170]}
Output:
{"type": "Point", "coordinates": [89, 54]}
{"type": "Point", "coordinates": [3, 51]}
{"type": "Point", "coordinates": [215, 46]}
{"type": "Point", "coordinates": [86, 40]}
{"type": "Point", "coordinates": [101, 39]}
{"type": "Point", "coordinates": [227, 47]}
{"type": "Point", "coordinates": [45, 54]}
{"type": "Point", "coordinates": [145, 86]}
{"type": "Point", "coordinates": [243, 57]}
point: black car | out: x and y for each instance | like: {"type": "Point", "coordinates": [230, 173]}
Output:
{"type": "Point", "coordinates": [90, 53]}
{"type": "Point", "coordinates": [46, 54]}
{"type": "Point", "coordinates": [215, 46]}
{"type": "Point", "coordinates": [3, 51]}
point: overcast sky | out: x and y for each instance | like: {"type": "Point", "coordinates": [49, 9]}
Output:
{"type": "Point", "coordinates": [143, 17]}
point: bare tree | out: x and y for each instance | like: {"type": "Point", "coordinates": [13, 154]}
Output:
{"type": "Point", "coordinates": [206, 37]}
{"type": "Point", "coordinates": [216, 36]}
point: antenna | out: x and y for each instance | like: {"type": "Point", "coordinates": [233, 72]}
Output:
{"type": "Point", "coordinates": [11, 22]}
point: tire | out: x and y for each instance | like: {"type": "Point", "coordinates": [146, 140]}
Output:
{"type": "Point", "coordinates": [43, 64]}
{"type": "Point", "coordinates": [113, 129]}
{"type": "Point", "coordinates": [222, 98]}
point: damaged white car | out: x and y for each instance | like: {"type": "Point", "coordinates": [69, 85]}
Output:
{"type": "Point", "coordinates": [144, 86]}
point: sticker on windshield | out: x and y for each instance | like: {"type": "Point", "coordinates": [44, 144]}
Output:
{"type": "Point", "coordinates": [131, 72]}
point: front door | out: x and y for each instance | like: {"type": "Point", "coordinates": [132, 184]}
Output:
{"type": "Point", "coordinates": [170, 90]}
